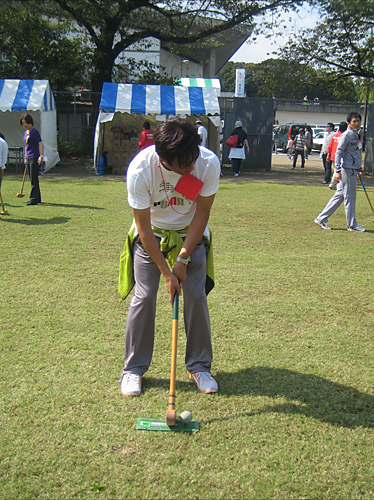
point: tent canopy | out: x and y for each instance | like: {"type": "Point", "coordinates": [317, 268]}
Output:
{"type": "Point", "coordinates": [159, 99]}
{"type": "Point", "coordinates": [34, 97]}
{"type": "Point", "coordinates": [26, 95]}
{"type": "Point", "coordinates": [201, 82]}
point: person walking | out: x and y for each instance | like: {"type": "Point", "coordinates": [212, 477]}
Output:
{"type": "Point", "coordinates": [299, 144]}
{"type": "Point", "coordinates": [325, 145]}
{"type": "Point", "coordinates": [3, 157]}
{"type": "Point", "coordinates": [146, 137]}
{"type": "Point", "coordinates": [170, 226]}
{"type": "Point", "coordinates": [347, 171]}
{"type": "Point", "coordinates": [309, 141]}
{"type": "Point", "coordinates": [331, 151]}
{"type": "Point", "coordinates": [203, 133]}
{"type": "Point", "coordinates": [34, 154]}
{"type": "Point", "coordinates": [237, 154]}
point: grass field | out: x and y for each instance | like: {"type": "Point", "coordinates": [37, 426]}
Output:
{"type": "Point", "coordinates": [292, 324]}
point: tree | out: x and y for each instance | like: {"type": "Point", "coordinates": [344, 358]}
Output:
{"type": "Point", "coordinates": [113, 25]}
{"type": "Point", "coordinates": [288, 79]}
{"type": "Point", "coordinates": [33, 48]}
{"type": "Point", "coordinates": [342, 43]}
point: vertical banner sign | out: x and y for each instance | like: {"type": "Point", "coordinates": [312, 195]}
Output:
{"type": "Point", "coordinates": [240, 82]}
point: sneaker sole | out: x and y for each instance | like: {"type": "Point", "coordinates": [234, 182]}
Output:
{"type": "Point", "coordinates": [209, 391]}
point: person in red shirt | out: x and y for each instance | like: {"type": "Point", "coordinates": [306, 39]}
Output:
{"type": "Point", "coordinates": [331, 150]}
{"type": "Point", "coordinates": [146, 137]}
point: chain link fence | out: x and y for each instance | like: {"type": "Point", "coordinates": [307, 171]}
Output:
{"type": "Point", "coordinates": [74, 125]}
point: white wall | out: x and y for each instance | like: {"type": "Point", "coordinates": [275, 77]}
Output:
{"type": "Point", "coordinates": [312, 118]}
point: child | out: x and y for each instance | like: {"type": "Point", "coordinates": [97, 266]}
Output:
{"type": "Point", "coordinates": [290, 148]}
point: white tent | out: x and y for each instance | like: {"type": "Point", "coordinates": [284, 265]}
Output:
{"type": "Point", "coordinates": [155, 102]}
{"type": "Point", "coordinates": [34, 97]}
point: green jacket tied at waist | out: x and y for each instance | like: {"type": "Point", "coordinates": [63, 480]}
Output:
{"type": "Point", "coordinates": [170, 245]}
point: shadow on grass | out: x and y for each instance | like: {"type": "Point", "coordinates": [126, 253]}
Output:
{"type": "Point", "coordinates": [38, 222]}
{"type": "Point", "coordinates": [65, 205]}
{"type": "Point", "coordinates": [308, 395]}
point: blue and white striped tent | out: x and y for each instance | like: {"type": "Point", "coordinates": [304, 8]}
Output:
{"type": "Point", "coordinates": [26, 95]}
{"type": "Point", "coordinates": [34, 97]}
{"type": "Point", "coordinates": [159, 99]}
{"type": "Point", "coordinates": [126, 105]}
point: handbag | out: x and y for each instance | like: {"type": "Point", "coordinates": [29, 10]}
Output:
{"type": "Point", "coordinates": [232, 141]}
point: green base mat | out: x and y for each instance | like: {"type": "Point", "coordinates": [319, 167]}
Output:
{"type": "Point", "coordinates": [152, 424]}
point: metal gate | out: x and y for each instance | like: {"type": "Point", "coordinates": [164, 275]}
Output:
{"type": "Point", "coordinates": [257, 116]}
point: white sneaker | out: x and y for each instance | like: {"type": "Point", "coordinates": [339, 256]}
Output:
{"type": "Point", "coordinates": [324, 225]}
{"type": "Point", "coordinates": [357, 228]}
{"type": "Point", "coordinates": [131, 384]}
{"type": "Point", "coordinates": [204, 381]}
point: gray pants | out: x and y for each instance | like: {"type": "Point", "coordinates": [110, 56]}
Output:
{"type": "Point", "coordinates": [333, 182]}
{"type": "Point", "coordinates": [346, 191]}
{"type": "Point", "coordinates": [140, 327]}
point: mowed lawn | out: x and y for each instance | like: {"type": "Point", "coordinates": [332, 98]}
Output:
{"type": "Point", "coordinates": [292, 326]}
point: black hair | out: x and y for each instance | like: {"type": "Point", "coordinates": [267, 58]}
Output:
{"type": "Point", "coordinates": [2, 136]}
{"type": "Point", "coordinates": [343, 126]}
{"type": "Point", "coordinates": [146, 125]}
{"type": "Point", "coordinates": [353, 114]}
{"type": "Point", "coordinates": [177, 139]}
{"type": "Point", "coordinates": [28, 119]}
{"type": "Point", "coordinates": [331, 125]}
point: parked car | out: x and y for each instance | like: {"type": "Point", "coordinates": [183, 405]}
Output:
{"type": "Point", "coordinates": [280, 134]}
{"type": "Point", "coordinates": [284, 133]}
{"type": "Point", "coordinates": [294, 129]}
{"type": "Point", "coordinates": [317, 130]}
{"type": "Point", "coordinates": [318, 140]}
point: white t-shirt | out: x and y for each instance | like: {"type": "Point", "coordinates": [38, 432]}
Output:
{"type": "Point", "coordinates": [3, 153]}
{"type": "Point", "coordinates": [145, 187]}
{"type": "Point", "coordinates": [202, 131]}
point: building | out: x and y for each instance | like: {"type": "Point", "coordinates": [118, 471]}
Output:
{"type": "Point", "coordinates": [198, 60]}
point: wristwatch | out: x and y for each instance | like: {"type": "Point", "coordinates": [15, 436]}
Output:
{"type": "Point", "coordinates": [182, 261]}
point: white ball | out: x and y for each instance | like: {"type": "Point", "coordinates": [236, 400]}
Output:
{"type": "Point", "coordinates": [185, 417]}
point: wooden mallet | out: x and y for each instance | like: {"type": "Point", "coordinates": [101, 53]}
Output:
{"type": "Point", "coordinates": [367, 196]}
{"type": "Point", "coordinates": [21, 195]}
{"type": "Point", "coordinates": [4, 212]}
{"type": "Point", "coordinates": [171, 412]}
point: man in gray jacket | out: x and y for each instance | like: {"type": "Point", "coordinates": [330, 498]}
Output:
{"type": "Point", "coordinates": [347, 171]}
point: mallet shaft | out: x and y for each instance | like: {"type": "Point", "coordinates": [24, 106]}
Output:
{"type": "Point", "coordinates": [23, 182]}
{"type": "Point", "coordinates": [367, 196]}
{"type": "Point", "coordinates": [170, 414]}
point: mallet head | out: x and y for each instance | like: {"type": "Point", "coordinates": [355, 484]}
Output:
{"type": "Point", "coordinates": [170, 417]}
{"type": "Point", "coordinates": [4, 212]}
{"type": "Point", "coordinates": [20, 195]}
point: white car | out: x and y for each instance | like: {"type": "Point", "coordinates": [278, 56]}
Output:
{"type": "Point", "coordinates": [318, 140]}
{"type": "Point", "coordinates": [316, 130]}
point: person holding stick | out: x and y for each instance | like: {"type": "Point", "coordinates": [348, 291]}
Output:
{"type": "Point", "coordinates": [34, 154]}
{"type": "Point", "coordinates": [171, 188]}
{"type": "Point", "coordinates": [347, 171]}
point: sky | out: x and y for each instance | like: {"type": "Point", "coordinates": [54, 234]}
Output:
{"type": "Point", "coordinates": [262, 48]}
